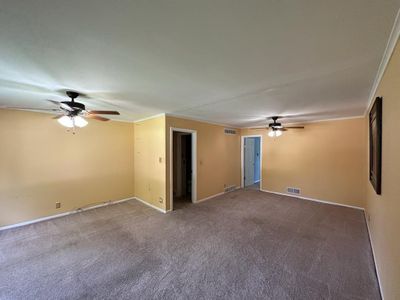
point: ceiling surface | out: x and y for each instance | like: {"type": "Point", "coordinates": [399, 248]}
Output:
{"type": "Point", "coordinates": [230, 62]}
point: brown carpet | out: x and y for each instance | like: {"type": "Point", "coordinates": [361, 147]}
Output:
{"type": "Point", "coordinates": [243, 245]}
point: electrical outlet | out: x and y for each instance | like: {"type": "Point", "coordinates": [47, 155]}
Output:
{"type": "Point", "coordinates": [160, 199]}
{"type": "Point", "coordinates": [58, 204]}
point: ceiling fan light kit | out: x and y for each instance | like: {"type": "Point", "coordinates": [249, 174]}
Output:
{"type": "Point", "coordinates": [70, 122]}
{"type": "Point", "coordinates": [72, 114]}
{"type": "Point", "coordinates": [274, 132]}
{"type": "Point", "coordinates": [276, 129]}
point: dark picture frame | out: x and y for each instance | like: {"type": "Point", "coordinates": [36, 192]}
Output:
{"type": "Point", "coordinates": [375, 145]}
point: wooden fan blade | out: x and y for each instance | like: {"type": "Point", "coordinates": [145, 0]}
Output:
{"type": "Point", "coordinates": [103, 112]}
{"type": "Point", "coordinates": [259, 128]}
{"type": "Point", "coordinates": [98, 118]}
{"type": "Point", "coordinates": [294, 127]}
{"type": "Point", "coordinates": [58, 116]}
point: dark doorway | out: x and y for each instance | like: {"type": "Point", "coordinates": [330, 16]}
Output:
{"type": "Point", "coordinates": [182, 169]}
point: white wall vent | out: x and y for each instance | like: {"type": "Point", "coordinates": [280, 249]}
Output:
{"type": "Point", "coordinates": [292, 190]}
{"type": "Point", "coordinates": [230, 131]}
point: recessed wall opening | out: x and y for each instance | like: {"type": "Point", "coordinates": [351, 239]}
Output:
{"type": "Point", "coordinates": [182, 168]}
{"type": "Point", "coordinates": [183, 171]}
{"type": "Point", "coordinates": [251, 162]}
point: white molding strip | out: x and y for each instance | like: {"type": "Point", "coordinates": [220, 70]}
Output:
{"type": "Point", "coordinates": [327, 120]}
{"type": "Point", "coordinates": [391, 44]}
{"type": "Point", "coordinates": [151, 205]}
{"type": "Point", "coordinates": [216, 195]}
{"type": "Point", "coordinates": [200, 120]}
{"type": "Point", "coordinates": [312, 121]}
{"type": "Point", "coordinates": [149, 118]}
{"type": "Point", "coordinates": [312, 199]}
{"type": "Point", "coordinates": [121, 120]}
{"type": "Point", "coordinates": [183, 117]}
{"type": "Point", "coordinates": [64, 214]}
{"type": "Point", "coordinates": [374, 256]}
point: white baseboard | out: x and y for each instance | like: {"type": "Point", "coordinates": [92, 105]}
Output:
{"type": "Point", "coordinates": [312, 199]}
{"type": "Point", "coordinates": [216, 195]}
{"type": "Point", "coordinates": [64, 214]}
{"type": "Point", "coordinates": [210, 197]}
{"type": "Point", "coordinates": [150, 205]}
{"type": "Point", "coordinates": [374, 257]}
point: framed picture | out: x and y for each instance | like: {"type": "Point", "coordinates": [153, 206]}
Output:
{"type": "Point", "coordinates": [375, 145]}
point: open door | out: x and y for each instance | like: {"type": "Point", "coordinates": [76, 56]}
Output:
{"type": "Point", "coordinates": [251, 162]}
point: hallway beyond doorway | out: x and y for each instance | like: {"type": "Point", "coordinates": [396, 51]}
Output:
{"type": "Point", "coordinates": [251, 161]}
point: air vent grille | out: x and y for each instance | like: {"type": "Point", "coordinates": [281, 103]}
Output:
{"type": "Point", "coordinates": [292, 190]}
{"type": "Point", "coordinates": [230, 131]}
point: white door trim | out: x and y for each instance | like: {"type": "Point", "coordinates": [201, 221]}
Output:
{"type": "Point", "coordinates": [249, 164]}
{"type": "Point", "coordinates": [242, 158]}
{"type": "Point", "coordinates": [171, 163]}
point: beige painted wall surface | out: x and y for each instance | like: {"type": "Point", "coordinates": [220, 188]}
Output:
{"type": "Point", "coordinates": [150, 166]}
{"type": "Point", "coordinates": [325, 160]}
{"type": "Point", "coordinates": [218, 156]}
{"type": "Point", "coordinates": [384, 210]}
{"type": "Point", "coordinates": [41, 163]}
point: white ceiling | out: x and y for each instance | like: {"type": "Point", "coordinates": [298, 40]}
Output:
{"type": "Point", "coordinates": [232, 62]}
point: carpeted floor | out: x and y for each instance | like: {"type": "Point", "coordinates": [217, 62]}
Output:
{"type": "Point", "coordinates": [243, 245]}
{"type": "Point", "coordinates": [255, 186]}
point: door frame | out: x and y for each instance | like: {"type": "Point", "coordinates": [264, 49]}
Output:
{"type": "Point", "coordinates": [193, 134]}
{"type": "Point", "coordinates": [242, 158]}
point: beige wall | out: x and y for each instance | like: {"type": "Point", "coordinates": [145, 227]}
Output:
{"type": "Point", "coordinates": [41, 163]}
{"type": "Point", "coordinates": [149, 157]}
{"type": "Point", "coordinates": [325, 160]}
{"type": "Point", "coordinates": [218, 156]}
{"type": "Point", "coordinates": [384, 210]}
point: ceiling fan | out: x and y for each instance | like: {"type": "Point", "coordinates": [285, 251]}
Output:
{"type": "Point", "coordinates": [72, 114]}
{"type": "Point", "coordinates": [276, 128]}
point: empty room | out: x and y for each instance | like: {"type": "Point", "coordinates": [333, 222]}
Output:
{"type": "Point", "coordinates": [199, 149]}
